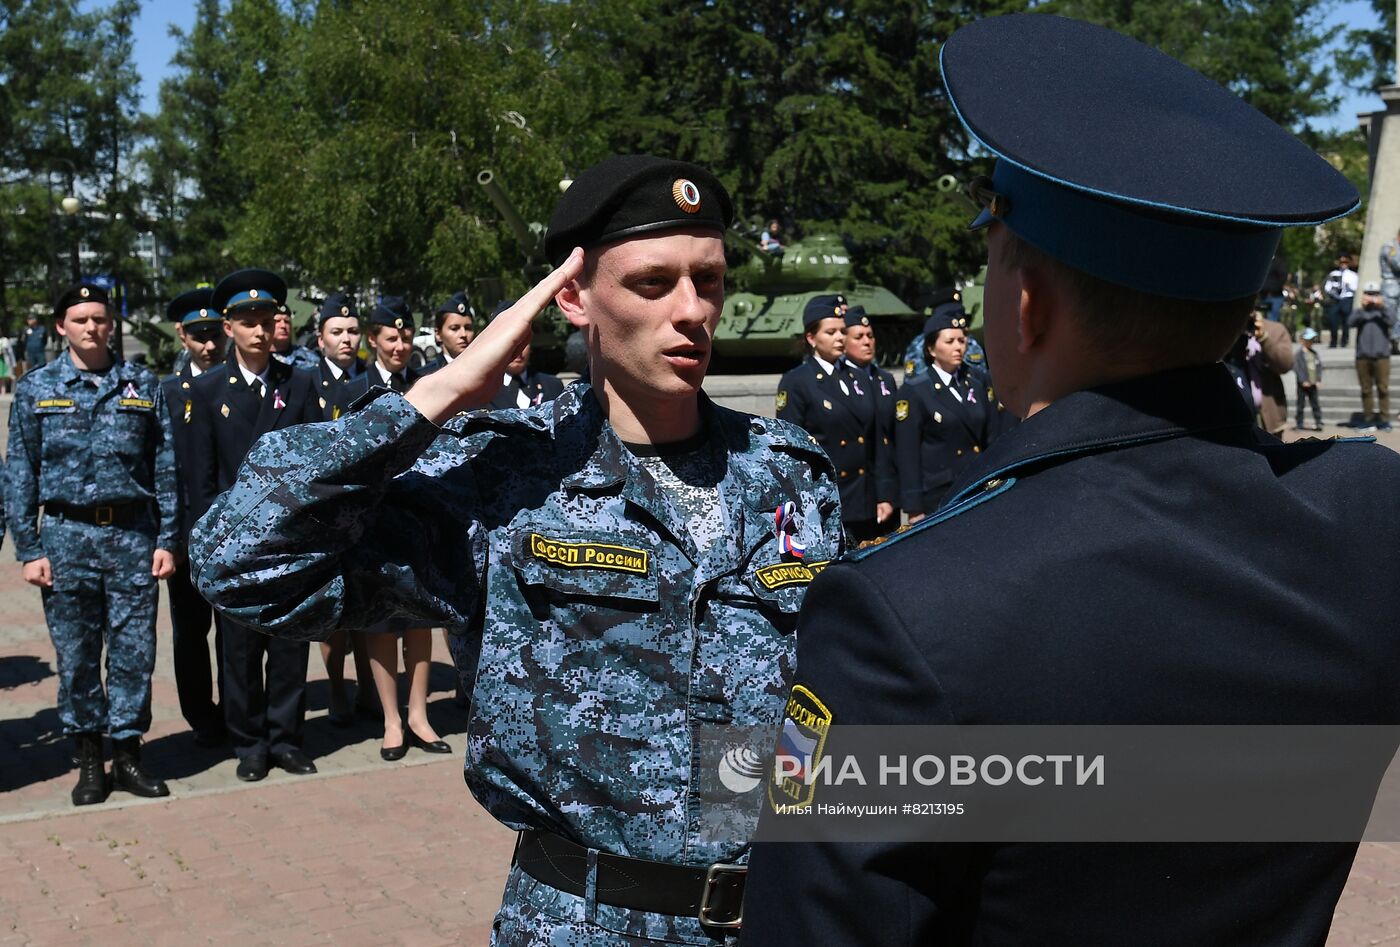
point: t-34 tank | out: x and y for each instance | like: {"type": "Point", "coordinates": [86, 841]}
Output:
{"type": "Point", "coordinates": [762, 319]}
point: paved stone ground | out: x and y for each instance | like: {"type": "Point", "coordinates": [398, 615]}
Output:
{"type": "Point", "coordinates": [366, 852]}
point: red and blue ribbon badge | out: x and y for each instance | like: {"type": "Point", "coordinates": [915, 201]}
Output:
{"type": "Point", "coordinates": [784, 525]}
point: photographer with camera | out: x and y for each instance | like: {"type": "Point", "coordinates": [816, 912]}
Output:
{"type": "Point", "coordinates": [1259, 359]}
{"type": "Point", "coordinates": [1373, 323]}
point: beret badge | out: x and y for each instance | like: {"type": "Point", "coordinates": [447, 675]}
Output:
{"type": "Point", "coordinates": [345, 310]}
{"type": "Point", "coordinates": [85, 292]}
{"type": "Point", "coordinates": [461, 308]}
{"type": "Point", "coordinates": [398, 323]}
{"type": "Point", "coordinates": [687, 195]}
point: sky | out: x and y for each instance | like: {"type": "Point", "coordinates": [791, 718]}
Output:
{"type": "Point", "coordinates": [155, 47]}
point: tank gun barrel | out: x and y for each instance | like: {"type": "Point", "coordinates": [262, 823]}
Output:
{"type": "Point", "coordinates": [529, 242]}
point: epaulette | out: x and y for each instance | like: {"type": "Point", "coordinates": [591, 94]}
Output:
{"type": "Point", "coordinates": [990, 489]}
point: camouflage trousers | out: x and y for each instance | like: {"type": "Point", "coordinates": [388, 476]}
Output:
{"type": "Point", "coordinates": [534, 914]}
{"type": "Point", "coordinates": [103, 592]}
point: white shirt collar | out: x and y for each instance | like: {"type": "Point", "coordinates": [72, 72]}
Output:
{"type": "Point", "coordinates": [830, 368]}
{"type": "Point", "coordinates": [384, 373]}
{"type": "Point", "coordinates": [195, 370]}
{"type": "Point", "coordinates": [336, 371]}
{"type": "Point", "coordinates": [248, 377]}
{"type": "Point", "coordinates": [947, 377]}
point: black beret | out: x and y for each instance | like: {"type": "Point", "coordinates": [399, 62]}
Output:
{"type": "Point", "coordinates": [392, 311]}
{"type": "Point", "coordinates": [855, 316]}
{"type": "Point", "coordinates": [336, 306]}
{"type": "Point", "coordinates": [946, 316]}
{"type": "Point", "coordinates": [457, 305]}
{"type": "Point", "coordinates": [78, 294]}
{"type": "Point", "coordinates": [626, 195]}
{"type": "Point", "coordinates": [501, 307]}
{"type": "Point", "coordinates": [828, 306]}
{"type": "Point", "coordinates": [248, 289]}
{"type": "Point", "coordinates": [1127, 165]}
{"type": "Point", "coordinates": [192, 307]}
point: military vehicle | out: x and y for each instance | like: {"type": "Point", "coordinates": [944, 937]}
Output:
{"type": "Point", "coordinates": [556, 344]}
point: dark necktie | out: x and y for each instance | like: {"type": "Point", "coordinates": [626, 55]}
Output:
{"type": "Point", "coordinates": [259, 388]}
{"type": "Point", "coordinates": [396, 383]}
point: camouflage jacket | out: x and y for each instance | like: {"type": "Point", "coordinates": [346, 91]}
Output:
{"type": "Point", "coordinates": [84, 445]}
{"type": "Point", "coordinates": [605, 655]}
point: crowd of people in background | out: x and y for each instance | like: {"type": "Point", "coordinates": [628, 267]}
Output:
{"type": "Point", "coordinates": [897, 446]}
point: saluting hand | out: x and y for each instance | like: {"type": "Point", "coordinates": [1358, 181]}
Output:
{"type": "Point", "coordinates": [475, 376]}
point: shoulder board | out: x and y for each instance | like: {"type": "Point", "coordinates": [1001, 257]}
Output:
{"type": "Point", "coordinates": [1358, 439]}
{"type": "Point", "coordinates": [990, 489]}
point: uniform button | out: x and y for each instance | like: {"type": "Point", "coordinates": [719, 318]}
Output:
{"type": "Point", "coordinates": [860, 440]}
{"type": "Point", "coordinates": [860, 472]}
{"type": "Point", "coordinates": [843, 473]}
{"type": "Point", "coordinates": [753, 493]}
{"type": "Point", "coordinates": [976, 449]}
{"type": "Point", "coordinates": [756, 428]}
{"type": "Point", "coordinates": [843, 443]}
{"type": "Point", "coordinates": [959, 451]}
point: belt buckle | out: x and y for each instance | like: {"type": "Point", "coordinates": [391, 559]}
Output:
{"type": "Point", "coordinates": [102, 516]}
{"type": "Point", "coordinates": [711, 883]}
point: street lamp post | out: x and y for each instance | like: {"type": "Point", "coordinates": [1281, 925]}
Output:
{"type": "Point", "coordinates": [71, 206]}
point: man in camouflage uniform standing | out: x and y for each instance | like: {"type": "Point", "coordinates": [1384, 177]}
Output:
{"type": "Point", "coordinates": [90, 443]}
{"type": "Point", "coordinates": [621, 567]}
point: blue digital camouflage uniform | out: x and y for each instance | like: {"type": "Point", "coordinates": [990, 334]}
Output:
{"type": "Point", "coordinates": [82, 444]}
{"type": "Point", "coordinates": [916, 359]}
{"type": "Point", "coordinates": [608, 646]}
{"type": "Point", "coordinates": [299, 357]}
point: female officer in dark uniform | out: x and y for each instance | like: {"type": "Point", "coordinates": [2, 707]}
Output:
{"type": "Point", "coordinates": [824, 396]}
{"type": "Point", "coordinates": [943, 417]}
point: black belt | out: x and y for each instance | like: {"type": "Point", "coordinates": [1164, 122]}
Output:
{"type": "Point", "coordinates": [115, 514]}
{"type": "Point", "coordinates": [715, 895]}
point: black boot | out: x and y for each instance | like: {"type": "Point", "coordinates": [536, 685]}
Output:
{"type": "Point", "coordinates": [92, 778]}
{"type": "Point", "coordinates": [127, 773]}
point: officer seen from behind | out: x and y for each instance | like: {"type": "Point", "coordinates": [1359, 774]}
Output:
{"type": "Point", "coordinates": [90, 445]}
{"type": "Point", "coordinates": [1112, 560]}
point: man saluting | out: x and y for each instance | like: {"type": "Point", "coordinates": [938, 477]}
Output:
{"type": "Point", "coordinates": [622, 565]}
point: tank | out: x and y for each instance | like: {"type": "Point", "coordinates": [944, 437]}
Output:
{"type": "Point", "coordinates": [762, 318]}
{"type": "Point", "coordinates": [556, 344]}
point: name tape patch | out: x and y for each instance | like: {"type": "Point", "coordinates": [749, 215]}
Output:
{"type": "Point", "coordinates": [145, 404]}
{"type": "Point", "coordinates": [55, 403]}
{"type": "Point", "coordinates": [582, 555]}
{"type": "Point", "coordinates": [780, 574]}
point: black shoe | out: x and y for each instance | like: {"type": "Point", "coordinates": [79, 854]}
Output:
{"type": "Point", "coordinates": [392, 753]}
{"type": "Point", "coordinates": [436, 746]}
{"type": "Point", "coordinates": [294, 761]}
{"type": "Point", "coordinates": [252, 768]}
{"type": "Point", "coordinates": [92, 779]}
{"type": "Point", "coordinates": [127, 773]}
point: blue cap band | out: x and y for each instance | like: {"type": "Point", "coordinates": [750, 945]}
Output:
{"type": "Point", "coordinates": [199, 315]}
{"type": "Point", "coordinates": [254, 297]}
{"type": "Point", "coordinates": [1178, 256]}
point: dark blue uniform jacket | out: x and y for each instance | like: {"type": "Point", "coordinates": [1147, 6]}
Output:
{"type": "Point", "coordinates": [937, 435]}
{"type": "Point", "coordinates": [227, 417]}
{"type": "Point", "coordinates": [1121, 557]}
{"type": "Point", "coordinates": [844, 424]}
